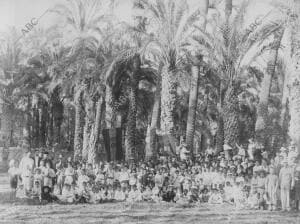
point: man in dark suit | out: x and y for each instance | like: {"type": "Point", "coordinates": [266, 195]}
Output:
{"type": "Point", "coordinates": [37, 158]}
{"type": "Point", "coordinates": [46, 159]}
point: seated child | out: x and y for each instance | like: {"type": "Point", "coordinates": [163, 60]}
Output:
{"type": "Point", "coordinates": [228, 192]}
{"type": "Point", "coordinates": [83, 195]}
{"type": "Point", "coordinates": [204, 195]}
{"type": "Point", "coordinates": [156, 194]}
{"type": "Point", "coordinates": [106, 194]}
{"type": "Point", "coordinates": [193, 195]}
{"type": "Point", "coordinates": [56, 190]}
{"type": "Point", "coordinates": [36, 193]}
{"type": "Point", "coordinates": [262, 201]}
{"type": "Point", "coordinates": [238, 195]}
{"type": "Point", "coordinates": [253, 200]}
{"type": "Point", "coordinates": [94, 191]}
{"type": "Point", "coordinates": [67, 195]}
{"type": "Point", "coordinates": [215, 197]}
{"type": "Point", "coordinates": [169, 195]}
{"type": "Point", "coordinates": [119, 194]}
{"type": "Point", "coordinates": [147, 194]}
{"type": "Point", "coordinates": [134, 195]}
{"type": "Point", "coordinates": [181, 198]}
{"type": "Point", "coordinates": [46, 195]}
{"type": "Point", "coordinates": [82, 177]}
{"type": "Point", "coordinates": [38, 176]}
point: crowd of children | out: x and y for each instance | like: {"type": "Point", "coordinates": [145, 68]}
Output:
{"type": "Point", "coordinates": [208, 178]}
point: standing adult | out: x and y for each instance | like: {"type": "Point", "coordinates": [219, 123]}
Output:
{"type": "Point", "coordinates": [26, 168]}
{"type": "Point", "coordinates": [46, 159]}
{"type": "Point", "coordinates": [297, 185]}
{"type": "Point", "coordinates": [37, 158]}
{"type": "Point", "coordinates": [251, 149]}
{"type": "Point", "coordinates": [286, 183]}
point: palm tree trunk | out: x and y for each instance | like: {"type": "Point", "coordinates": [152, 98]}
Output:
{"type": "Point", "coordinates": [193, 100]}
{"type": "Point", "coordinates": [231, 116]}
{"type": "Point", "coordinates": [87, 127]}
{"type": "Point", "coordinates": [168, 100]}
{"type": "Point", "coordinates": [130, 145]}
{"type": "Point", "coordinates": [109, 112]}
{"type": "Point", "coordinates": [43, 126]}
{"type": "Point", "coordinates": [50, 127]}
{"type": "Point", "coordinates": [78, 136]}
{"type": "Point", "coordinates": [194, 88]}
{"type": "Point", "coordinates": [94, 137]}
{"type": "Point", "coordinates": [284, 100]}
{"type": "Point", "coordinates": [294, 83]}
{"type": "Point", "coordinates": [262, 112]}
{"type": "Point", "coordinates": [36, 126]}
{"type": "Point", "coordinates": [151, 130]}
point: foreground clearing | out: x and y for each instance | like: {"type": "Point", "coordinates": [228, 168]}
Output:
{"type": "Point", "coordinates": [139, 213]}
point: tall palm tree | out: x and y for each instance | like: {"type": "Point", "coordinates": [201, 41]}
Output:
{"type": "Point", "coordinates": [173, 25]}
{"type": "Point", "coordinates": [194, 87]}
{"type": "Point", "coordinates": [126, 76]}
{"type": "Point", "coordinates": [227, 50]}
{"type": "Point", "coordinates": [262, 113]}
{"type": "Point", "coordinates": [294, 82]}
{"type": "Point", "coordinates": [81, 21]}
{"type": "Point", "coordinates": [10, 55]}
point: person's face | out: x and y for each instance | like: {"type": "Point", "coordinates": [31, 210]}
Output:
{"type": "Point", "coordinates": [45, 156]}
{"type": "Point", "coordinates": [48, 165]}
{"type": "Point", "coordinates": [42, 163]}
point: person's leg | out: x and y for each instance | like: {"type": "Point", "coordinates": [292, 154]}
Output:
{"type": "Point", "coordinates": [274, 200]}
{"type": "Point", "coordinates": [288, 199]}
{"type": "Point", "coordinates": [282, 197]}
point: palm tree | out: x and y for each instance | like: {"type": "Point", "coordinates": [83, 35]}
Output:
{"type": "Point", "coordinates": [227, 49]}
{"type": "Point", "coordinates": [126, 76]}
{"type": "Point", "coordinates": [194, 88]}
{"type": "Point", "coordinates": [294, 81]}
{"type": "Point", "coordinates": [173, 25]}
{"type": "Point", "coordinates": [10, 52]}
{"type": "Point", "coordinates": [262, 113]}
{"type": "Point", "coordinates": [81, 18]}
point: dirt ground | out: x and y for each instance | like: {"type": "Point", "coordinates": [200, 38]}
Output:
{"type": "Point", "coordinates": [138, 213]}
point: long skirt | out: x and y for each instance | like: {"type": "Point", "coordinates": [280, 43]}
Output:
{"type": "Point", "coordinates": [13, 182]}
{"type": "Point", "coordinates": [27, 182]}
{"type": "Point", "coordinates": [297, 190]}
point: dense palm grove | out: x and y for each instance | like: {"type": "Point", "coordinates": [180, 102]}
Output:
{"type": "Point", "coordinates": [203, 73]}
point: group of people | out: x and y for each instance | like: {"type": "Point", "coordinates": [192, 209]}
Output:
{"type": "Point", "coordinates": [272, 182]}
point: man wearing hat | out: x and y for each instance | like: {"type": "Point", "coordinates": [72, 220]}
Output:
{"type": "Point", "coordinates": [286, 183]}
